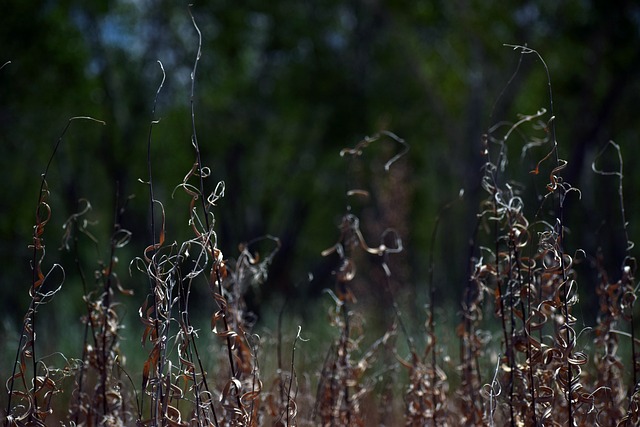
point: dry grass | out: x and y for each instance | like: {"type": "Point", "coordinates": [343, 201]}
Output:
{"type": "Point", "coordinates": [521, 274]}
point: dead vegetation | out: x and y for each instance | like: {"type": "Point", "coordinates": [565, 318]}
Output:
{"type": "Point", "coordinates": [522, 275]}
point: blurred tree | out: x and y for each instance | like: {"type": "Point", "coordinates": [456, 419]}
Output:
{"type": "Point", "coordinates": [281, 87]}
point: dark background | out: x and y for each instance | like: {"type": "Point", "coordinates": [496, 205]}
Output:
{"type": "Point", "coordinates": [280, 89]}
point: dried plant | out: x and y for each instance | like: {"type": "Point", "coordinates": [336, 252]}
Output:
{"type": "Point", "coordinates": [521, 362]}
{"type": "Point", "coordinates": [34, 391]}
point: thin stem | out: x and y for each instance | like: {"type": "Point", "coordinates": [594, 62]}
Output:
{"type": "Point", "coordinates": [153, 267]}
{"type": "Point", "coordinates": [30, 318]}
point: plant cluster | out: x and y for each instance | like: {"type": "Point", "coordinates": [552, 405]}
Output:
{"type": "Point", "coordinates": [532, 370]}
